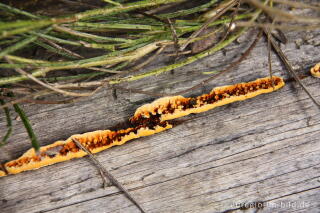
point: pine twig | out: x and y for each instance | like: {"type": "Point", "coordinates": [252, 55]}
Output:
{"type": "Point", "coordinates": [17, 11]}
{"type": "Point", "coordinates": [202, 83]}
{"type": "Point", "coordinates": [62, 48]}
{"type": "Point", "coordinates": [234, 14]}
{"type": "Point", "coordinates": [24, 73]}
{"type": "Point", "coordinates": [33, 101]}
{"type": "Point", "coordinates": [113, 3]}
{"type": "Point", "coordinates": [269, 48]}
{"type": "Point", "coordinates": [287, 64]}
{"type": "Point", "coordinates": [20, 100]}
{"type": "Point", "coordinates": [280, 14]}
{"type": "Point", "coordinates": [148, 61]}
{"type": "Point", "coordinates": [187, 61]}
{"type": "Point", "coordinates": [229, 68]}
{"type": "Point", "coordinates": [79, 3]}
{"type": "Point", "coordinates": [205, 25]}
{"type": "Point", "coordinates": [269, 58]}
{"type": "Point", "coordinates": [105, 173]}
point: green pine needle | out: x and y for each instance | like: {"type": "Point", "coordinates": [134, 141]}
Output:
{"type": "Point", "coordinates": [34, 141]}
{"type": "Point", "coordinates": [9, 124]}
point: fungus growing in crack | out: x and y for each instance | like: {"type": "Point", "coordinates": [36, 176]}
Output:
{"type": "Point", "coordinates": [148, 119]}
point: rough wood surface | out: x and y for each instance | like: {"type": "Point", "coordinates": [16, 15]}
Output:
{"type": "Point", "coordinates": [265, 149]}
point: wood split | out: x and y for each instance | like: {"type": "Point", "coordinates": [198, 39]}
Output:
{"type": "Point", "coordinates": [147, 120]}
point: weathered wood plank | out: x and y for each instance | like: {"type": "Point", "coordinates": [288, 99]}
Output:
{"type": "Point", "coordinates": [263, 149]}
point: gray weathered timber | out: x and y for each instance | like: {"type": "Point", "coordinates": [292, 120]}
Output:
{"type": "Point", "coordinates": [263, 149]}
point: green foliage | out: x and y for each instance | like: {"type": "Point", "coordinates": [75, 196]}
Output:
{"type": "Point", "coordinates": [124, 33]}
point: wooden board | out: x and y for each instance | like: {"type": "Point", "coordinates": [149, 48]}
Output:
{"type": "Point", "coordinates": [265, 149]}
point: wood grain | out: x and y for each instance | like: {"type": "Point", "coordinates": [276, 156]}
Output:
{"type": "Point", "coordinates": [263, 149]}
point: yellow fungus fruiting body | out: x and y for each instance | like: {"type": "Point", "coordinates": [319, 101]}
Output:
{"type": "Point", "coordinates": [315, 71]}
{"type": "Point", "coordinates": [2, 173]}
{"type": "Point", "coordinates": [178, 106]}
{"type": "Point", "coordinates": [29, 160]}
{"type": "Point", "coordinates": [147, 120]}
